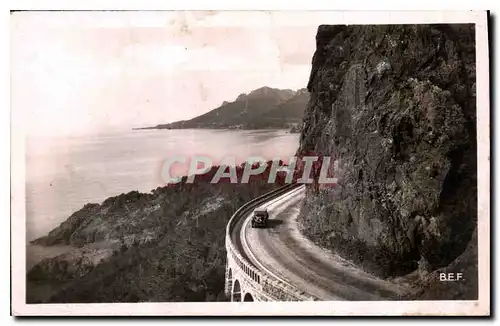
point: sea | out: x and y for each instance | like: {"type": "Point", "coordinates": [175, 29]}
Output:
{"type": "Point", "coordinates": [65, 173]}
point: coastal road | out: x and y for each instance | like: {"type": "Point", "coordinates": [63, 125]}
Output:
{"type": "Point", "coordinates": [281, 250]}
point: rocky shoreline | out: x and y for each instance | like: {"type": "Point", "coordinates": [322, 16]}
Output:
{"type": "Point", "coordinates": [167, 245]}
{"type": "Point", "coordinates": [396, 106]}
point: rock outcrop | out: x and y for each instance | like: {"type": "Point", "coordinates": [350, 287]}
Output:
{"type": "Point", "coordinates": [395, 106]}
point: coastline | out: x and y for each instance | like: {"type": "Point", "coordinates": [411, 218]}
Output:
{"type": "Point", "coordinates": [292, 128]}
{"type": "Point", "coordinates": [213, 128]}
{"type": "Point", "coordinates": [175, 233]}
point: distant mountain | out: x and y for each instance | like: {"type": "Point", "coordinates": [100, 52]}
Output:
{"type": "Point", "coordinates": [260, 109]}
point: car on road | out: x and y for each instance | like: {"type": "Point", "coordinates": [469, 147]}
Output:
{"type": "Point", "coordinates": [260, 217]}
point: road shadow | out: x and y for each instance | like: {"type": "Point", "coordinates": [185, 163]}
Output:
{"type": "Point", "coordinates": [271, 224]}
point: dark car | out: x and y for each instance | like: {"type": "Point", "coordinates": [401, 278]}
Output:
{"type": "Point", "coordinates": [260, 217]}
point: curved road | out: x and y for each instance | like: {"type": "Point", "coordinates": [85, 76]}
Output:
{"type": "Point", "coordinates": [281, 250]}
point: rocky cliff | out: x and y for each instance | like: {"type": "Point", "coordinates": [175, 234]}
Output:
{"type": "Point", "coordinates": [395, 105]}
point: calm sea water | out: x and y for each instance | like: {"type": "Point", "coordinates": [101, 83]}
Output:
{"type": "Point", "coordinates": [63, 174]}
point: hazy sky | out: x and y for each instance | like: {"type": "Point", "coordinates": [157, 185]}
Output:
{"type": "Point", "coordinates": [76, 72]}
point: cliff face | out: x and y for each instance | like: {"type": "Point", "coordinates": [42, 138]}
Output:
{"type": "Point", "coordinates": [167, 245]}
{"type": "Point", "coordinates": [396, 106]}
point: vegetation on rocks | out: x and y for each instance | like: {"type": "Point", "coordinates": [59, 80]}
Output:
{"type": "Point", "coordinates": [168, 245]}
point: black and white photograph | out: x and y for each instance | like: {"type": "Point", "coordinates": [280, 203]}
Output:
{"type": "Point", "coordinates": [250, 163]}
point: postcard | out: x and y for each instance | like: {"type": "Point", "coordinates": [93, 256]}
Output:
{"type": "Point", "coordinates": [250, 163]}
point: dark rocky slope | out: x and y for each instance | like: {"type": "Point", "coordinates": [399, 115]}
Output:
{"type": "Point", "coordinates": [395, 105]}
{"type": "Point", "coordinates": [167, 245]}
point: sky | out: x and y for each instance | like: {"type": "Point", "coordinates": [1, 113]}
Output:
{"type": "Point", "coordinates": [87, 72]}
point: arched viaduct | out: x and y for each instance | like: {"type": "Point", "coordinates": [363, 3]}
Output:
{"type": "Point", "coordinates": [244, 281]}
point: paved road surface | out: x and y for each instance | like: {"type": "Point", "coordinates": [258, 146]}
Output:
{"type": "Point", "coordinates": [281, 249]}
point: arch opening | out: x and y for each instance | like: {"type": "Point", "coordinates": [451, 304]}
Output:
{"type": "Point", "coordinates": [248, 298]}
{"type": "Point", "coordinates": [236, 292]}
